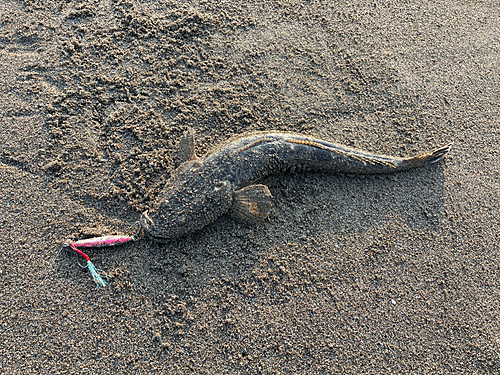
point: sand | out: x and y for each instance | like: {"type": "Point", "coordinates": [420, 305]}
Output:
{"type": "Point", "coordinates": [382, 274]}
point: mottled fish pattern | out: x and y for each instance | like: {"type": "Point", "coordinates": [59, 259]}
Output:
{"type": "Point", "coordinates": [227, 178]}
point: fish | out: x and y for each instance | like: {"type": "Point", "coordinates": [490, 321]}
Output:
{"type": "Point", "coordinates": [227, 179]}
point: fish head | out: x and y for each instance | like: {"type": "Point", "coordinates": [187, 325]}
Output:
{"type": "Point", "coordinates": [188, 202]}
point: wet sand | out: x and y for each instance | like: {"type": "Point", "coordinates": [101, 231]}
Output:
{"type": "Point", "coordinates": [350, 274]}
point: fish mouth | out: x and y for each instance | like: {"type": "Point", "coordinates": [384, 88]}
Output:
{"type": "Point", "coordinates": [149, 227]}
{"type": "Point", "coordinates": [146, 222]}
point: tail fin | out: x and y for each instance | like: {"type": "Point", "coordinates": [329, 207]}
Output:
{"type": "Point", "coordinates": [432, 156]}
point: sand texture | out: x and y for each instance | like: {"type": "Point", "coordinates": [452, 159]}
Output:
{"type": "Point", "coordinates": [394, 274]}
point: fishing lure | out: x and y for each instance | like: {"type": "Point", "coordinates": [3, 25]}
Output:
{"type": "Point", "coordinates": [102, 241]}
{"type": "Point", "coordinates": [97, 274]}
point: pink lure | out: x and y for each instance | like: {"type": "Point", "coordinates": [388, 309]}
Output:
{"type": "Point", "coordinates": [102, 241]}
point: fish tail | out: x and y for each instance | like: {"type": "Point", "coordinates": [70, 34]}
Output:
{"type": "Point", "coordinates": [429, 157]}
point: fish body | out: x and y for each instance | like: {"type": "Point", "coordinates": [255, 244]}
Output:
{"type": "Point", "coordinates": [227, 178]}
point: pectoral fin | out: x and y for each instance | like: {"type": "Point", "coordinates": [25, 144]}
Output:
{"type": "Point", "coordinates": [186, 149]}
{"type": "Point", "coordinates": [252, 203]}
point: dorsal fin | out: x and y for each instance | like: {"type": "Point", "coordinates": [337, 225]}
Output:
{"type": "Point", "coordinates": [369, 159]}
{"type": "Point", "coordinates": [186, 148]}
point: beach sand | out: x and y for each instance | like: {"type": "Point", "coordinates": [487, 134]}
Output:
{"type": "Point", "coordinates": [393, 274]}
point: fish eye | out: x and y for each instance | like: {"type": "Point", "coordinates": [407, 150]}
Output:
{"type": "Point", "coordinates": [219, 185]}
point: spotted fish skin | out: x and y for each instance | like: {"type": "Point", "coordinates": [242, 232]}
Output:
{"type": "Point", "coordinates": [202, 190]}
